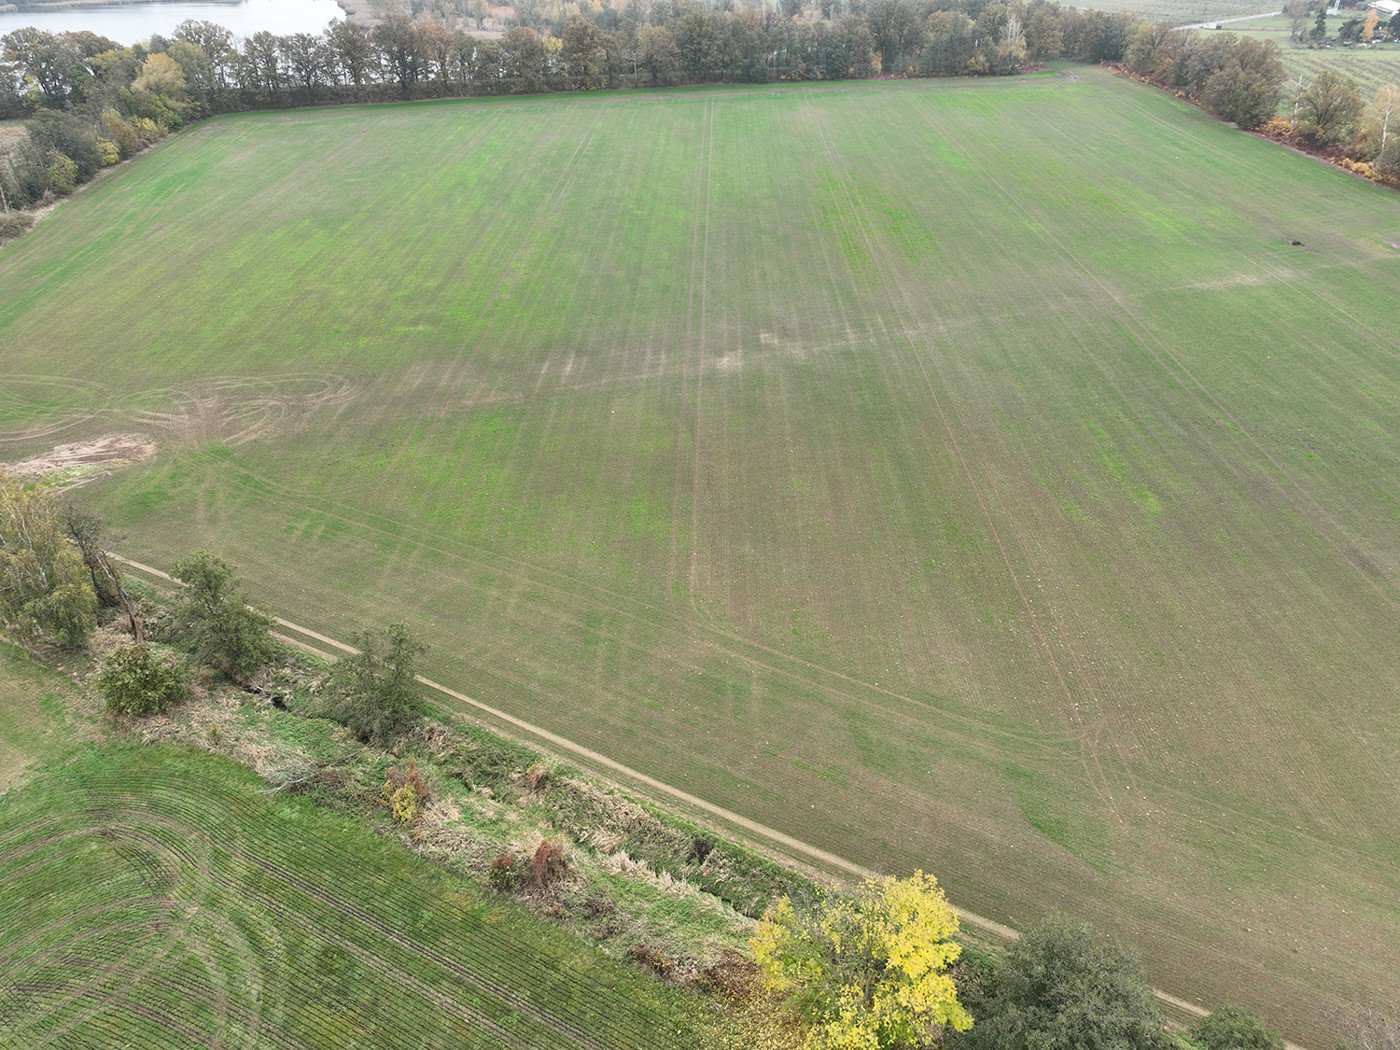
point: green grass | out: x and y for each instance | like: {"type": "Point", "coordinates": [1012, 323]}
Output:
{"type": "Point", "coordinates": [40, 719]}
{"type": "Point", "coordinates": [155, 897]}
{"type": "Point", "coordinates": [973, 476]}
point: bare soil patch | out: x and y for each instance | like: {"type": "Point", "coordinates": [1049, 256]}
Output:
{"type": "Point", "coordinates": [81, 460]}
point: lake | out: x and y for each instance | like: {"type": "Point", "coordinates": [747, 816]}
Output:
{"type": "Point", "coordinates": [130, 23]}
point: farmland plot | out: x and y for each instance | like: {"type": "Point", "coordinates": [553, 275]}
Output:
{"type": "Point", "coordinates": [154, 898]}
{"type": "Point", "coordinates": [990, 477]}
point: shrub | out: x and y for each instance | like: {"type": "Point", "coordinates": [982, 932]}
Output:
{"type": "Point", "coordinates": [63, 173]}
{"type": "Point", "coordinates": [373, 691]}
{"type": "Point", "coordinates": [538, 776]}
{"type": "Point", "coordinates": [109, 152]}
{"type": "Point", "coordinates": [1061, 987]}
{"type": "Point", "coordinates": [1368, 1028]}
{"type": "Point", "coordinates": [214, 617]}
{"type": "Point", "coordinates": [549, 864]}
{"type": "Point", "coordinates": [504, 872]}
{"type": "Point", "coordinates": [650, 958]}
{"type": "Point", "coordinates": [734, 979]}
{"type": "Point", "coordinates": [136, 682]}
{"type": "Point", "coordinates": [405, 793]}
{"type": "Point", "coordinates": [1231, 1028]}
{"type": "Point", "coordinates": [124, 136]}
{"type": "Point", "coordinates": [14, 223]}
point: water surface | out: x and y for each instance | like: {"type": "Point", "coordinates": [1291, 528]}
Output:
{"type": "Point", "coordinates": [130, 23]}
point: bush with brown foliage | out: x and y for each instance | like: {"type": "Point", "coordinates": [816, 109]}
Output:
{"type": "Point", "coordinates": [549, 864]}
{"type": "Point", "coordinates": [504, 872]}
{"type": "Point", "coordinates": [649, 958]}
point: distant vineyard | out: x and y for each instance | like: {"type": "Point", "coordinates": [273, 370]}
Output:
{"type": "Point", "coordinates": [1370, 69]}
{"type": "Point", "coordinates": [153, 898]}
{"type": "Point", "coordinates": [1189, 12]}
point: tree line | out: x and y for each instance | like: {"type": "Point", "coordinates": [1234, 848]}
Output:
{"type": "Point", "coordinates": [209, 71]}
{"type": "Point", "coordinates": [1242, 80]}
{"type": "Point", "coordinates": [93, 102]}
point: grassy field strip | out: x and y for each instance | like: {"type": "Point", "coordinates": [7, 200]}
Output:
{"type": "Point", "coordinates": [631, 777]}
{"type": "Point", "coordinates": [1075, 680]}
{"type": "Point", "coordinates": [601, 761]}
{"type": "Point", "coordinates": [796, 668]}
{"type": "Point", "coordinates": [695, 347]}
{"type": "Point", "coordinates": [206, 966]}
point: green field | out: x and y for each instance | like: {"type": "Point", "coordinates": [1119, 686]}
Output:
{"type": "Point", "coordinates": [155, 897]}
{"type": "Point", "coordinates": [1370, 67]}
{"type": "Point", "coordinates": [995, 477]}
{"type": "Point", "coordinates": [40, 717]}
{"type": "Point", "coordinates": [1190, 12]}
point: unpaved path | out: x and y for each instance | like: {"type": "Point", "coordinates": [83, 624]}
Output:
{"type": "Point", "coordinates": [1226, 21]}
{"type": "Point", "coordinates": [597, 760]}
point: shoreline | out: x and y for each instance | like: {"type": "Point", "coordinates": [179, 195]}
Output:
{"type": "Point", "coordinates": [354, 10]}
{"type": "Point", "coordinates": [67, 5]}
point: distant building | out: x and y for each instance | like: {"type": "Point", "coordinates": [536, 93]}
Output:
{"type": "Point", "coordinates": [1387, 9]}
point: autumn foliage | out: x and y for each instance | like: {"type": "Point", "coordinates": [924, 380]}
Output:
{"type": "Point", "coordinates": [867, 971]}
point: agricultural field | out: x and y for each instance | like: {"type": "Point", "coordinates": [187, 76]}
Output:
{"type": "Point", "coordinates": [42, 715]}
{"type": "Point", "coordinates": [1369, 67]}
{"type": "Point", "coordinates": [993, 477]}
{"type": "Point", "coordinates": [1191, 12]}
{"type": "Point", "coordinates": [158, 897]}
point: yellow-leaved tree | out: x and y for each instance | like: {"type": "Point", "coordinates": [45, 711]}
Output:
{"type": "Point", "coordinates": [44, 587]}
{"type": "Point", "coordinates": [867, 971]}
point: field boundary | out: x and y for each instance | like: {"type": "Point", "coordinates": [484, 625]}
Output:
{"type": "Point", "coordinates": [595, 758]}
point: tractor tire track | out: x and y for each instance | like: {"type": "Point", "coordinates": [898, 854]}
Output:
{"type": "Point", "coordinates": [685, 429]}
{"type": "Point", "coordinates": [790, 845]}
{"type": "Point", "coordinates": [1089, 751]}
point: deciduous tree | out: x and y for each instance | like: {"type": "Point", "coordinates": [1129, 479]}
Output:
{"type": "Point", "coordinates": [44, 588]}
{"type": "Point", "coordinates": [373, 691]}
{"type": "Point", "coordinates": [88, 533]}
{"type": "Point", "coordinates": [1329, 108]}
{"type": "Point", "coordinates": [657, 54]}
{"type": "Point", "coordinates": [898, 32]}
{"type": "Point", "coordinates": [160, 92]}
{"type": "Point", "coordinates": [1245, 90]}
{"type": "Point", "coordinates": [398, 41]}
{"type": "Point", "coordinates": [215, 619]}
{"type": "Point", "coordinates": [1296, 11]}
{"type": "Point", "coordinates": [581, 50]}
{"type": "Point", "coordinates": [866, 971]}
{"type": "Point", "coordinates": [523, 59]}
{"type": "Point", "coordinates": [1231, 1028]}
{"type": "Point", "coordinates": [134, 681]}
{"type": "Point", "coordinates": [1382, 123]}
{"type": "Point", "coordinates": [1063, 988]}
